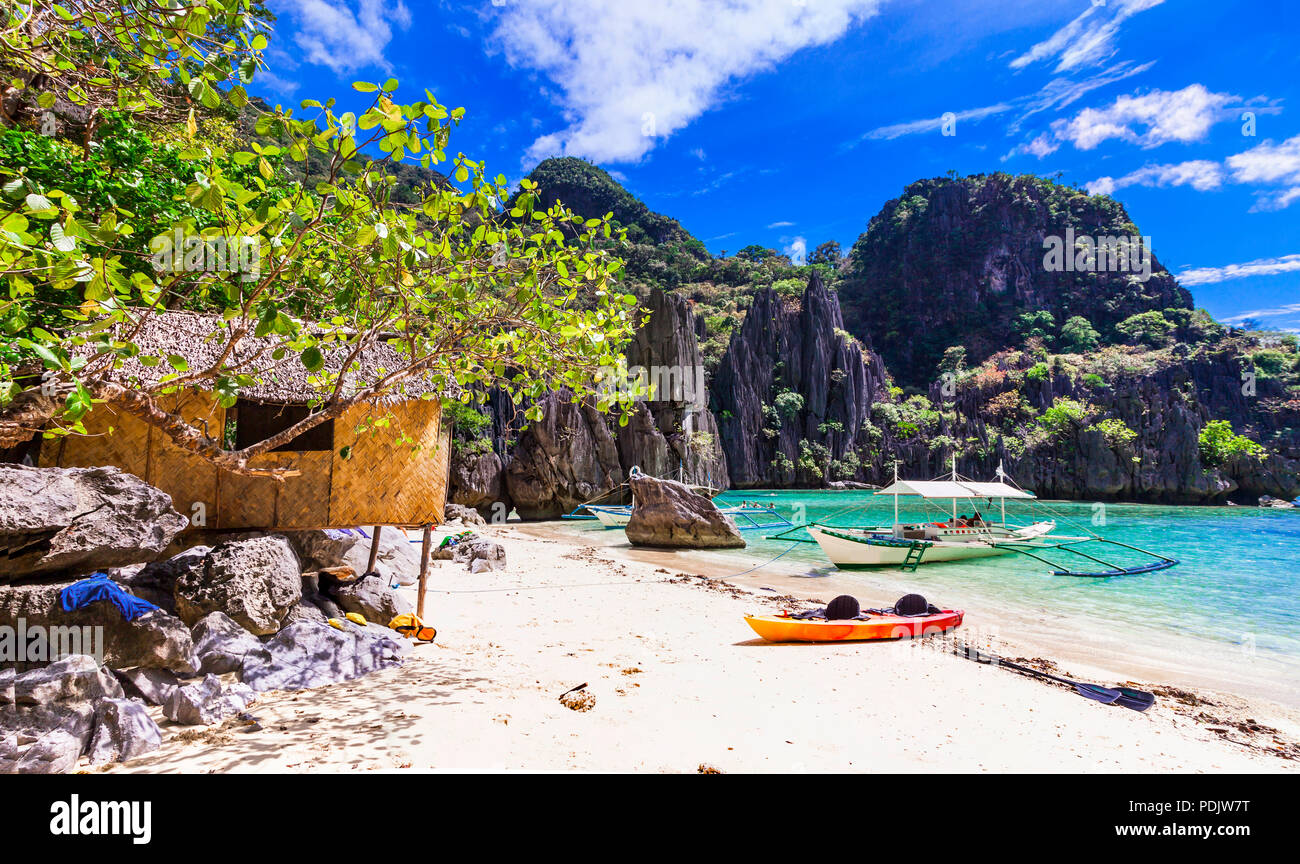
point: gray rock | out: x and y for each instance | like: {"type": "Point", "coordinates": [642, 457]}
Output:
{"type": "Point", "coordinates": [310, 655]}
{"type": "Point", "coordinates": [156, 582]}
{"type": "Point", "coordinates": [157, 640]}
{"type": "Point", "coordinates": [398, 559]}
{"type": "Point", "coordinates": [483, 553]}
{"type": "Point", "coordinates": [224, 646]}
{"type": "Point", "coordinates": [56, 521]}
{"type": "Point", "coordinates": [206, 702]}
{"type": "Point", "coordinates": [57, 752]}
{"type": "Point", "coordinates": [668, 514]}
{"type": "Point", "coordinates": [478, 484]}
{"type": "Point", "coordinates": [152, 685]}
{"type": "Point", "coordinates": [567, 458]}
{"type": "Point", "coordinates": [44, 739]}
{"type": "Point", "coordinates": [467, 515]}
{"type": "Point", "coordinates": [75, 678]}
{"type": "Point", "coordinates": [305, 611]}
{"type": "Point", "coordinates": [372, 599]}
{"type": "Point", "coordinates": [7, 686]}
{"type": "Point", "coordinates": [123, 731]}
{"type": "Point", "coordinates": [255, 581]}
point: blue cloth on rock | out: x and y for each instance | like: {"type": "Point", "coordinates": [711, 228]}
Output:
{"type": "Point", "coordinates": [99, 587]}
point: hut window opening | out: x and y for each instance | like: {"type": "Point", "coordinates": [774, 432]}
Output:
{"type": "Point", "coordinates": [257, 421]}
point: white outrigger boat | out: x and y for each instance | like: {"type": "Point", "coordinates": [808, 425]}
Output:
{"type": "Point", "coordinates": [960, 537]}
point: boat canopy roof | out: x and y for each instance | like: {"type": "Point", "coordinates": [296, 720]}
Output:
{"type": "Point", "coordinates": [954, 489]}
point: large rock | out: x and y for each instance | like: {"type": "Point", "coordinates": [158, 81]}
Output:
{"type": "Point", "coordinates": [371, 597]}
{"type": "Point", "coordinates": [565, 459]}
{"type": "Point", "coordinates": [123, 730]}
{"type": "Point", "coordinates": [312, 655]}
{"type": "Point", "coordinates": [154, 686]}
{"type": "Point", "coordinates": [480, 555]}
{"type": "Point", "coordinates": [48, 731]}
{"type": "Point", "coordinates": [72, 521]}
{"type": "Point", "coordinates": [206, 702]}
{"type": "Point", "coordinates": [803, 349]}
{"type": "Point", "coordinates": [72, 679]}
{"type": "Point", "coordinates": [255, 581]}
{"type": "Point", "coordinates": [55, 752]}
{"type": "Point", "coordinates": [478, 481]}
{"type": "Point", "coordinates": [398, 559]}
{"type": "Point", "coordinates": [223, 646]}
{"type": "Point", "coordinates": [157, 640]}
{"type": "Point", "coordinates": [668, 514]}
{"type": "Point", "coordinates": [156, 581]}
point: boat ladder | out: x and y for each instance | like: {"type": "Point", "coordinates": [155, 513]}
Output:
{"type": "Point", "coordinates": [913, 557]}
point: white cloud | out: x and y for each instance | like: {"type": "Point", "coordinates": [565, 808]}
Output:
{"type": "Point", "coordinates": [780, 225]}
{"type": "Point", "coordinates": [1088, 39]}
{"type": "Point", "coordinates": [930, 124]}
{"type": "Point", "coordinates": [1040, 146]}
{"type": "Point", "coordinates": [1276, 200]}
{"type": "Point", "coordinates": [797, 249]}
{"type": "Point", "coordinates": [1268, 163]}
{"type": "Point", "coordinates": [630, 74]}
{"type": "Point", "coordinates": [1201, 174]}
{"type": "Point", "coordinates": [1258, 267]}
{"type": "Point", "coordinates": [330, 33]}
{"type": "Point", "coordinates": [271, 81]}
{"type": "Point", "coordinates": [1062, 92]}
{"type": "Point", "coordinates": [699, 153]}
{"type": "Point", "coordinates": [1150, 119]}
{"type": "Point", "coordinates": [1274, 164]}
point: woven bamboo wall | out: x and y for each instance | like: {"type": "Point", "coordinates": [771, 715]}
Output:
{"type": "Point", "coordinates": [384, 482]}
{"type": "Point", "coordinates": [390, 478]}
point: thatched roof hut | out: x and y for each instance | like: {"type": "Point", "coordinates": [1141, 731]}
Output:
{"type": "Point", "coordinates": [384, 461]}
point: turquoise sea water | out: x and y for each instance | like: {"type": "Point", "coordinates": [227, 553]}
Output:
{"type": "Point", "coordinates": [1233, 599]}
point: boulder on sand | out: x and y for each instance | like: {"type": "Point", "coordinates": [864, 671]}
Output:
{"type": "Point", "coordinates": [668, 514]}
{"type": "Point", "coordinates": [123, 730]}
{"type": "Point", "coordinates": [73, 521]}
{"type": "Point", "coordinates": [223, 646]}
{"type": "Point", "coordinates": [480, 555]}
{"type": "Point", "coordinates": [311, 655]}
{"type": "Point", "coordinates": [255, 581]}
{"type": "Point", "coordinates": [206, 702]}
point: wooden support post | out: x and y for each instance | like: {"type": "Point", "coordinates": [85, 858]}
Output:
{"type": "Point", "coordinates": [374, 549]}
{"type": "Point", "coordinates": [425, 549]}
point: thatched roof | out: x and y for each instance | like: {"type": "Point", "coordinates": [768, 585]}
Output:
{"type": "Point", "coordinates": [201, 339]}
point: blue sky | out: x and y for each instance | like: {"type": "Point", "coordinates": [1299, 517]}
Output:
{"type": "Point", "coordinates": [792, 121]}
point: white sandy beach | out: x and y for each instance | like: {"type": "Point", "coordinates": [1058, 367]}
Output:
{"type": "Point", "coordinates": [680, 682]}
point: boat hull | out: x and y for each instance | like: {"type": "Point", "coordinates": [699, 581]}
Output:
{"type": "Point", "coordinates": [878, 627]}
{"type": "Point", "coordinates": [612, 518]}
{"type": "Point", "coordinates": [852, 554]}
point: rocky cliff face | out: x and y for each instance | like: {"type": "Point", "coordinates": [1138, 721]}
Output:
{"type": "Point", "coordinates": [575, 454]}
{"type": "Point", "coordinates": [1166, 408]}
{"type": "Point", "coordinates": [793, 392]}
{"type": "Point", "coordinates": [955, 261]}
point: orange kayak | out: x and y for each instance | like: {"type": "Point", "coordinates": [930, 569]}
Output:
{"type": "Point", "coordinates": [778, 628]}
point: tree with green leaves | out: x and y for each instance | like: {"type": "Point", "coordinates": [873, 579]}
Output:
{"type": "Point", "coordinates": [1035, 325]}
{"type": "Point", "coordinates": [1078, 336]}
{"type": "Point", "coordinates": [469, 293]}
{"type": "Point", "coordinates": [828, 253]}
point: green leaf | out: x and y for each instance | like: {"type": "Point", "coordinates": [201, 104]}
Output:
{"type": "Point", "coordinates": [364, 87]}
{"type": "Point", "coordinates": [177, 362]}
{"type": "Point", "coordinates": [312, 359]}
